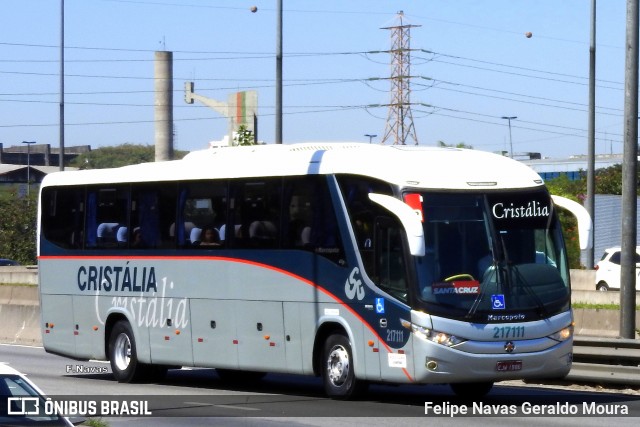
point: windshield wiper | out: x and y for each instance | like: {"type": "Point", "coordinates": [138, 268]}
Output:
{"type": "Point", "coordinates": [499, 252]}
{"type": "Point", "coordinates": [494, 269]}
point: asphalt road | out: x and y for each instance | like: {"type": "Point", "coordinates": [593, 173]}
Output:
{"type": "Point", "coordinates": [194, 397]}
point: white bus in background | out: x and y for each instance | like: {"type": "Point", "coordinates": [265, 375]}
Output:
{"type": "Point", "coordinates": [354, 262]}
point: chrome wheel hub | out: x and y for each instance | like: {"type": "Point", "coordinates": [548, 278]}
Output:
{"type": "Point", "coordinates": [338, 365]}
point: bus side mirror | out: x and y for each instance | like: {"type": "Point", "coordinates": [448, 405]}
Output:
{"type": "Point", "coordinates": [585, 226]}
{"type": "Point", "coordinates": [408, 218]}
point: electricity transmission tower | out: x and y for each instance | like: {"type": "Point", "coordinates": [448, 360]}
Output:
{"type": "Point", "coordinates": [400, 119]}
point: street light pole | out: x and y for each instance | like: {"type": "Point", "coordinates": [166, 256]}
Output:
{"type": "Point", "coordinates": [509, 118]}
{"type": "Point", "coordinates": [28, 166]}
{"type": "Point", "coordinates": [61, 118]}
{"type": "Point", "coordinates": [371, 136]}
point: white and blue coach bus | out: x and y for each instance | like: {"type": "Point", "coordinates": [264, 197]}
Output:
{"type": "Point", "coordinates": [357, 263]}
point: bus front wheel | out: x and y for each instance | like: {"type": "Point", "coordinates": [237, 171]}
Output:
{"type": "Point", "coordinates": [122, 353]}
{"type": "Point", "coordinates": [338, 369]}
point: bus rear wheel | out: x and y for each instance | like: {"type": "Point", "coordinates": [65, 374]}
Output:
{"type": "Point", "coordinates": [338, 373]}
{"type": "Point", "coordinates": [122, 354]}
{"type": "Point", "coordinates": [471, 390]}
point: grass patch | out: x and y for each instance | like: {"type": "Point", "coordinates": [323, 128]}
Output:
{"type": "Point", "coordinates": [18, 284]}
{"type": "Point", "coordinates": [598, 306]}
{"type": "Point", "coordinates": [95, 422]}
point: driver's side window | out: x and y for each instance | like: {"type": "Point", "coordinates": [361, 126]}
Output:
{"type": "Point", "coordinates": [390, 272]}
{"type": "Point", "coordinates": [378, 237]}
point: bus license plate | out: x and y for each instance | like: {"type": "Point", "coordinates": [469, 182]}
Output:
{"type": "Point", "coordinates": [508, 365]}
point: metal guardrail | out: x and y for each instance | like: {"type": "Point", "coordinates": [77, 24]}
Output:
{"type": "Point", "coordinates": [606, 361]}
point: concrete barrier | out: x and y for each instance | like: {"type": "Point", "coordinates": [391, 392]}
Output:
{"type": "Point", "coordinates": [583, 280]}
{"type": "Point", "coordinates": [20, 315]}
{"type": "Point", "coordinates": [19, 275]}
{"type": "Point", "coordinates": [599, 322]}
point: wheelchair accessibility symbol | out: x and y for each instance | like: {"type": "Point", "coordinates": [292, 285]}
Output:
{"type": "Point", "coordinates": [497, 302]}
{"type": "Point", "coordinates": [380, 305]}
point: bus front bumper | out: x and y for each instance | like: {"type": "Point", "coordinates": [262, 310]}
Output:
{"type": "Point", "coordinates": [436, 363]}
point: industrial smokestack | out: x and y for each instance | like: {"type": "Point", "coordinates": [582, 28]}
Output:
{"type": "Point", "coordinates": [164, 105]}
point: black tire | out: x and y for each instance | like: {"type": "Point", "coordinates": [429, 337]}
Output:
{"type": "Point", "coordinates": [602, 287]}
{"type": "Point", "coordinates": [471, 390]}
{"type": "Point", "coordinates": [338, 372]}
{"type": "Point", "coordinates": [122, 354]}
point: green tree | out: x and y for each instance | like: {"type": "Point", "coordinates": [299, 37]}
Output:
{"type": "Point", "coordinates": [458, 145]}
{"type": "Point", "coordinates": [116, 156]}
{"type": "Point", "coordinates": [609, 180]}
{"type": "Point", "coordinates": [18, 227]}
{"type": "Point", "coordinates": [244, 136]}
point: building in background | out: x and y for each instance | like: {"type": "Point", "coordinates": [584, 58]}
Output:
{"type": "Point", "coordinates": [573, 166]}
{"type": "Point", "coordinates": [19, 164]}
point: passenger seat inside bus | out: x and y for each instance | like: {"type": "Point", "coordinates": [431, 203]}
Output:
{"type": "Point", "coordinates": [106, 234]}
{"type": "Point", "coordinates": [194, 237]}
{"type": "Point", "coordinates": [305, 237]}
{"type": "Point", "coordinates": [263, 233]}
{"type": "Point", "coordinates": [122, 237]}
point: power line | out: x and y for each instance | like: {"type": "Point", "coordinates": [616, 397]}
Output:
{"type": "Point", "coordinates": [437, 110]}
{"type": "Point", "coordinates": [515, 67]}
{"type": "Point", "coordinates": [535, 103]}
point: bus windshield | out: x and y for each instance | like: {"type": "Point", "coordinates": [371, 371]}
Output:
{"type": "Point", "coordinates": [491, 257]}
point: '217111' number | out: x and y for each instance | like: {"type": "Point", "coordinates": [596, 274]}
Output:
{"type": "Point", "coordinates": [505, 332]}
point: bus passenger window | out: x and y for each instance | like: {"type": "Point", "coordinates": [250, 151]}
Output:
{"type": "Point", "coordinates": [107, 211]}
{"type": "Point", "coordinates": [202, 215]}
{"type": "Point", "coordinates": [153, 210]}
{"type": "Point", "coordinates": [309, 219]}
{"type": "Point", "coordinates": [299, 218]}
{"type": "Point", "coordinates": [63, 216]}
{"type": "Point", "coordinates": [256, 214]}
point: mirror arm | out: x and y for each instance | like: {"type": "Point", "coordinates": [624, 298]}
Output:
{"type": "Point", "coordinates": [585, 225]}
{"type": "Point", "coordinates": [407, 216]}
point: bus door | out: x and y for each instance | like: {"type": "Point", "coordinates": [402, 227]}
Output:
{"type": "Point", "coordinates": [390, 273]}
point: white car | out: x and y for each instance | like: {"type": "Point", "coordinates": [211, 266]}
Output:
{"type": "Point", "coordinates": [608, 269]}
{"type": "Point", "coordinates": [18, 395]}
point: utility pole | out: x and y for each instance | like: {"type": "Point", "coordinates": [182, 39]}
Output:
{"type": "Point", "coordinates": [28, 168]}
{"type": "Point", "coordinates": [509, 118]}
{"type": "Point", "coordinates": [400, 119]}
{"type": "Point", "coordinates": [629, 174]}
{"type": "Point", "coordinates": [591, 133]}
{"type": "Point", "coordinates": [279, 72]}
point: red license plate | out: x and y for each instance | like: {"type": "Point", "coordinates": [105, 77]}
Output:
{"type": "Point", "coordinates": [508, 365]}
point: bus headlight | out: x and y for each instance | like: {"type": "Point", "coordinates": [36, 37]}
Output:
{"type": "Point", "coordinates": [445, 339]}
{"type": "Point", "coordinates": [563, 334]}
{"type": "Point", "coordinates": [431, 335]}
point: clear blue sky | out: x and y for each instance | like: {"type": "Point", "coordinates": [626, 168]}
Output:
{"type": "Point", "coordinates": [474, 66]}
